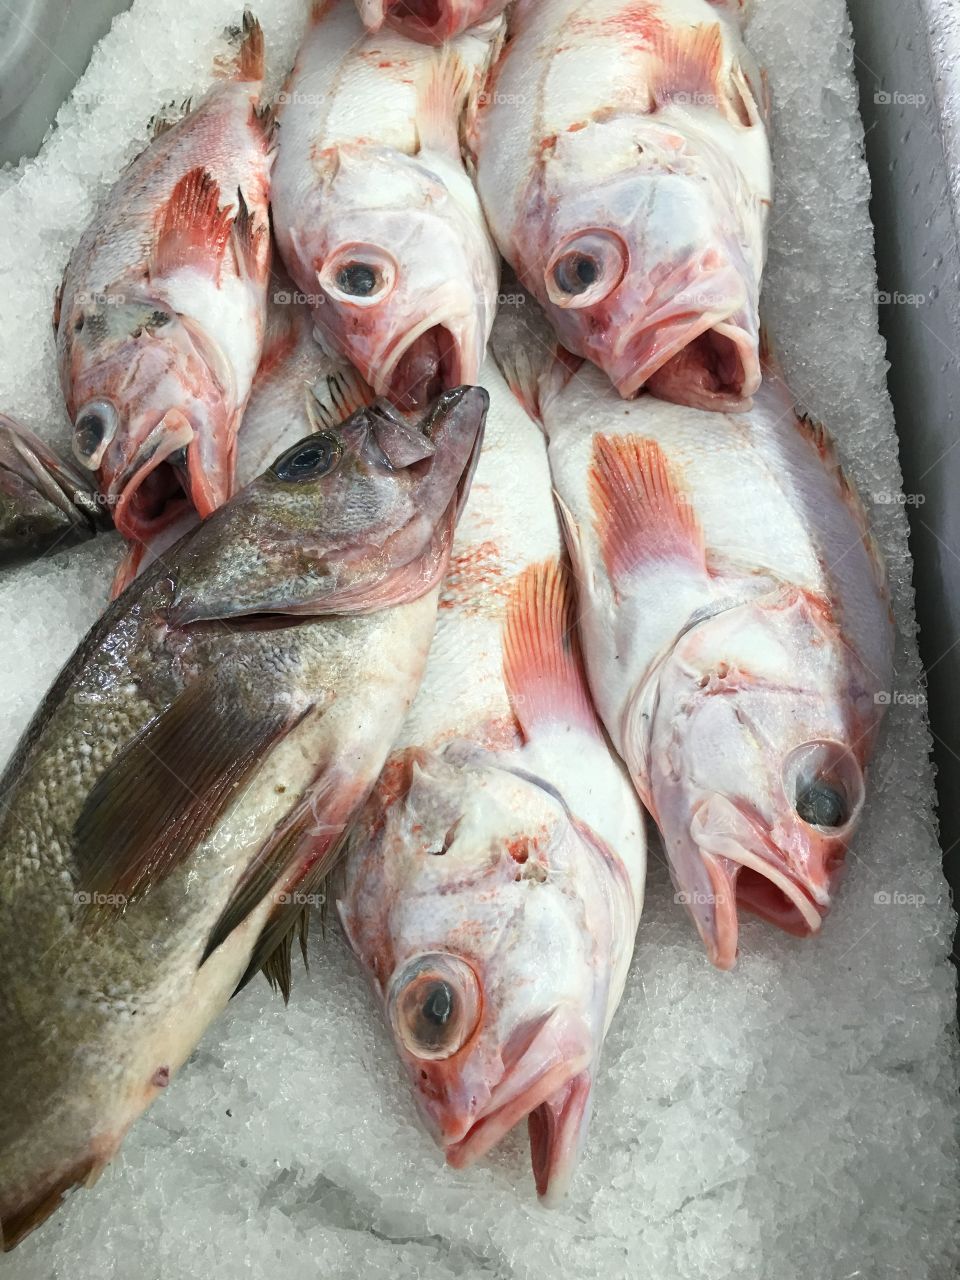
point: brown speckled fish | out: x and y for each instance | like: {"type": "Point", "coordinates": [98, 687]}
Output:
{"type": "Point", "coordinates": [169, 811]}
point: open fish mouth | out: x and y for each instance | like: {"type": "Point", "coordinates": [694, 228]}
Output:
{"type": "Point", "coordinates": [429, 364]}
{"type": "Point", "coordinates": [719, 369]}
{"type": "Point", "coordinates": [747, 870]}
{"type": "Point", "coordinates": [550, 1085]}
{"type": "Point", "coordinates": [426, 20]}
{"type": "Point", "coordinates": [155, 488]}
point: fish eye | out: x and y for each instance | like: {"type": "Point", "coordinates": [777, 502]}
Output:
{"type": "Point", "coordinates": [95, 427]}
{"type": "Point", "coordinates": [586, 269]}
{"type": "Point", "coordinates": [434, 1006]}
{"type": "Point", "coordinates": [358, 278]}
{"type": "Point", "coordinates": [819, 804]}
{"type": "Point", "coordinates": [361, 275]}
{"type": "Point", "coordinates": [309, 460]}
{"type": "Point", "coordinates": [576, 272]}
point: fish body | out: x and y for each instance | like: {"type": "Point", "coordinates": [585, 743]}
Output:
{"type": "Point", "coordinates": [624, 168]}
{"type": "Point", "coordinates": [160, 316]}
{"type": "Point", "coordinates": [736, 629]}
{"type": "Point", "coordinates": [429, 21]}
{"type": "Point", "coordinates": [45, 504]}
{"type": "Point", "coordinates": [495, 880]}
{"type": "Point", "coordinates": [374, 214]}
{"type": "Point", "coordinates": [172, 808]}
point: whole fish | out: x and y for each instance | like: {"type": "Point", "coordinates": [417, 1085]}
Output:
{"type": "Point", "coordinates": [494, 885]}
{"type": "Point", "coordinates": [429, 21]}
{"type": "Point", "coordinates": [374, 214]}
{"type": "Point", "coordinates": [736, 629]}
{"type": "Point", "coordinates": [170, 811]}
{"type": "Point", "coordinates": [45, 505]}
{"type": "Point", "coordinates": [624, 167]}
{"type": "Point", "coordinates": [161, 311]}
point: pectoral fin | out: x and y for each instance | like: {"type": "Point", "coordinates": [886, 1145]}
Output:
{"type": "Point", "coordinates": [163, 793]}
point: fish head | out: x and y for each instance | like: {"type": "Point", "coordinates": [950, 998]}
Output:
{"type": "Point", "coordinates": [646, 274]}
{"type": "Point", "coordinates": [150, 396]}
{"type": "Point", "coordinates": [482, 913]}
{"type": "Point", "coordinates": [354, 517]}
{"type": "Point", "coordinates": [764, 723]}
{"type": "Point", "coordinates": [407, 279]}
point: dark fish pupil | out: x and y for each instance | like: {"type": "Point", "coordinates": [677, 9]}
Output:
{"type": "Point", "coordinates": [89, 433]}
{"type": "Point", "coordinates": [438, 1006]}
{"type": "Point", "coordinates": [307, 460]}
{"type": "Point", "coordinates": [821, 806]}
{"type": "Point", "coordinates": [577, 273]}
{"type": "Point", "coordinates": [357, 279]}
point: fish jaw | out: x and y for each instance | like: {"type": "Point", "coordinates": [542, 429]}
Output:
{"type": "Point", "coordinates": [550, 1085]}
{"type": "Point", "coordinates": [142, 507]}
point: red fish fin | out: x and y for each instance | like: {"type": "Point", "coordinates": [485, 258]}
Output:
{"type": "Point", "coordinates": [251, 240]}
{"type": "Point", "coordinates": [245, 60]}
{"type": "Point", "coordinates": [640, 513]}
{"type": "Point", "coordinates": [686, 66]}
{"type": "Point", "coordinates": [128, 568]}
{"type": "Point", "coordinates": [440, 103]}
{"type": "Point", "coordinates": [542, 667]}
{"type": "Point", "coordinates": [161, 795]}
{"type": "Point", "coordinates": [331, 400]}
{"type": "Point", "coordinates": [192, 229]}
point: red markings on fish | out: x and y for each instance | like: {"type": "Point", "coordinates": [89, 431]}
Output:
{"type": "Point", "coordinates": [641, 513]}
{"type": "Point", "coordinates": [474, 580]}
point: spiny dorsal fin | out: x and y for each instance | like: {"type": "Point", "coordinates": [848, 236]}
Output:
{"type": "Point", "coordinates": [331, 400]}
{"type": "Point", "coordinates": [245, 61]}
{"type": "Point", "coordinates": [192, 229]}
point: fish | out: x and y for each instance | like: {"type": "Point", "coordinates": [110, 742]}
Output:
{"type": "Point", "coordinates": [374, 214]}
{"type": "Point", "coordinates": [493, 884]}
{"type": "Point", "coordinates": [623, 163]}
{"type": "Point", "coordinates": [735, 622]}
{"type": "Point", "coordinates": [429, 21]}
{"type": "Point", "coordinates": [160, 315]}
{"type": "Point", "coordinates": [46, 505]}
{"type": "Point", "coordinates": [168, 817]}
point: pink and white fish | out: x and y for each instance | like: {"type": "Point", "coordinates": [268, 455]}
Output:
{"type": "Point", "coordinates": [624, 168]}
{"type": "Point", "coordinates": [735, 625]}
{"type": "Point", "coordinates": [375, 216]}
{"type": "Point", "coordinates": [493, 890]}
{"type": "Point", "coordinates": [161, 312]}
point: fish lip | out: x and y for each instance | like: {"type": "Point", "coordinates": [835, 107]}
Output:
{"type": "Point", "coordinates": [26, 455]}
{"type": "Point", "coordinates": [560, 1051]}
{"type": "Point", "coordinates": [172, 433]}
{"type": "Point", "coordinates": [674, 320]}
{"type": "Point", "coordinates": [731, 841]}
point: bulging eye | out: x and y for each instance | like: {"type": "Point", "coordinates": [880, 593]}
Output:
{"type": "Point", "coordinates": [361, 275]}
{"type": "Point", "coordinates": [821, 805]}
{"type": "Point", "coordinates": [310, 459]}
{"type": "Point", "coordinates": [95, 427]}
{"type": "Point", "coordinates": [586, 269]}
{"type": "Point", "coordinates": [824, 783]}
{"type": "Point", "coordinates": [435, 1005]}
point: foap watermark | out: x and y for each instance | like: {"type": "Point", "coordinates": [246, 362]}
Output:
{"type": "Point", "coordinates": [298, 899]}
{"type": "Point", "coordinates": [498, 99]}
{"type": "Point", "coordinates": [884, 298]}
{"type": "Point", "coordinates": [698, 899]}
{"type": "Point", "coordinates": [97, 899]}
{"type": "Point", "coordinates": [896, 898]}
{"type": "Point", "coordinates": [895, 498]}
{"type": "Point", "coordinates": [295, 298]}
{"type": "Point", "coordinates": [899, 698]}
{"type": "Point", "coordinates": [88, 299]}
{"type": "Point", "coordinates": [897, 98]}
{"type": "Point", "coordinates": [696, 99]}
{"type": "Point", "coordinates": [294, 97]}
